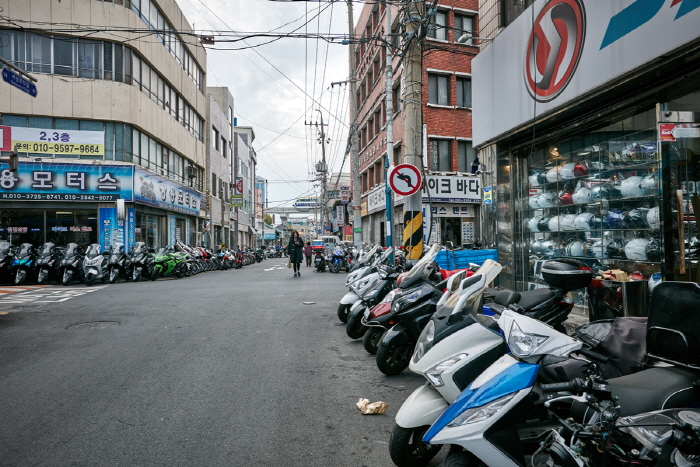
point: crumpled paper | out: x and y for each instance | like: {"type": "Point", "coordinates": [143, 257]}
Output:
{"type": "Point", "coordinates": [368, 408]}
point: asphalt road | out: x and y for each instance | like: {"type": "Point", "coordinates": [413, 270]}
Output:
{"type": "Point", "coordinates": [227, 368]}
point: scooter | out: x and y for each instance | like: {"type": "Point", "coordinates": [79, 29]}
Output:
{"type": "Point", "coordinates": [370, 295]}
{"type": "Point", "coordinates": [71, 265]}
{"type": "Point", "coordinates": [6, 258]}
{"type": "Point", "coordinates": [23, 263]}
{"type": "Point", "coordinates": [95, 264]}
{"type": "Point", "coordinates": [48, 262]}
{"type": "Point", "coordinates": [119, 264]}
{"type": "Point", "coordinates": [368, 263]}
{"type": "Point", "coordinates": [483, 422]}
{"type": "Point", "coordinates": [140, 262]}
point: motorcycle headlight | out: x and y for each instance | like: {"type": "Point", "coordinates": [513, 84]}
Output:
{"type": "Point", "coordinates": [407, 298]}
{"type": "Point", "coordinates": [479, 414]}
{"type": "Point", "coordinates": [522, 343]}
{"type": "Point", "coordinates": [434, 374]}
{"type": "Point", "coordinates": [425, 341]}
{"type": "Point", "coordinates": [114, 258]}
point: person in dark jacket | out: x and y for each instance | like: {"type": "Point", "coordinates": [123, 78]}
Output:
{"type": "Point", "coordinates": [308, 252]}
{"type": "Point", "coordinates": [294, 250]}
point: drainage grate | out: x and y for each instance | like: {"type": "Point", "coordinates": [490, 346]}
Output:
{"type": "Point", "coordinates": [94, 325]}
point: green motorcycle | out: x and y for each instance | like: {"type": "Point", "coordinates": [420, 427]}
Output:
{"type": "Point", "coordinates": [168, 262]}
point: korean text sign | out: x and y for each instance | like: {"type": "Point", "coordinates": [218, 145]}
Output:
{"type": "Point", "coordinates": [452, 189]}
{"type": "Point", "coordinates": [157, 191]}
{"type": "Point", "coordinates": [51, 181]}
{"type": "Point", "coordinates": [43, 141]}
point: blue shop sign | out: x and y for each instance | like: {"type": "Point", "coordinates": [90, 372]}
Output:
{"type": "Point", "coordinates": [55, 181]}
{"type": "Point", "coordinates": [157, 191]}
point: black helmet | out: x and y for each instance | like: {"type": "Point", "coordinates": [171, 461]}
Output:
{"type": "Point", "coordinates": [543, 224]}
{"type": "Point", "coordinates": [636, 218]}
{"type": "Point", "coordinates": [653, 250]}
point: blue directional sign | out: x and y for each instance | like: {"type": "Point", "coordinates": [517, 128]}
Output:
{"type": "Point", "coordinates": [19, 82]}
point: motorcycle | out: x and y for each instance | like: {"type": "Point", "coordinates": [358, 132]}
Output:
{"type": "Point", "coordinates": [141, 261]}
{"type": "Point", "coordinates": [23, 263]}
{"type": "Point", "coordinates": [337, 261]}
{"type": "Point", "coordinates": [48, 262]}
{"type": "Point", "coordinates": [319, 259]}
{"type": "Point", "coordinates": [71, 265]}
{"type": "Point", "coordinates": [367, 265]}
{"type": "Point", "coordinates": [488, 423]}
{"type": "Point", "coordinates": [168, 262]}
{"type": "Point", "coordinates": [6, 258]}
{"type": "Point", "coordinates": [95, 264]}
{"type": "Point", "coordinates": [376, 287]}
{"type": "Point", "coordinates": [119, 264]}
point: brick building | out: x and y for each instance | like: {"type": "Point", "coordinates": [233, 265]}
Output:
{"type": "Point", "coordinates": [448, 152]}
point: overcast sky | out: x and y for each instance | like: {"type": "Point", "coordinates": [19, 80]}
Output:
{"type": "Point", "coordinates": [271, 100]}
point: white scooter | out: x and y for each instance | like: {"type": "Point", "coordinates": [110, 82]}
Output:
{"type": "Point", "coordinates": [448, 366]}
{"type": "Point", "coordinates": [359, 279]}
{"type": "Point", "coordinates": [95, 264]}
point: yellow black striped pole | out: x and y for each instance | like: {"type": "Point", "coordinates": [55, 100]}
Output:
{"type": "Point", "coordinates": [413, 234]}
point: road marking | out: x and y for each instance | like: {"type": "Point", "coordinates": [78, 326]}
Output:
{"type": "Point", "coordinates": [10, 289]}
{"type": "Point", "coordinates": [278, 266]}
{"type": "Point", "coordinates": [48, 294]}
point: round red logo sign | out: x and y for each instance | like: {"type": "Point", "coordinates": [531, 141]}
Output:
{"type": "Point", "coordinates": [554, 48]}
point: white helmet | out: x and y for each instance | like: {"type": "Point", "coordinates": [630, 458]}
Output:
{"type": "Point", "coordinates": [554, 224]}
{"type": "Point", "coordinates": [596, 249]}
{"type": "Point", "coordinates": [637, 249]}
{"type": "Point", "coordinates": [536, 247]}
{"type": "Point", "coordinates": [532, 224]}
{"type": "Point", "coordinates": [532, 202]}
{"type": "Point", "coordinates": [567, 171]}
{"type": "Point", "coordinates": [534, 182]}
{"type": "Point", "coordinates": [631, 187]}
{"type": "Point", "coordinates": [582, 195]}
{"type": "Point", "coordinates": [549, 248]}
{"type": "Point", "coordinates": [582, 221]}
{"type": "Point", "coordinates": [653, 218]}
{"type": "Point", "coordinates": [575, 248]}
{"type": "Point", "coordinates": [650, 184]}
{"type": "Point", "coordinates": [553, 174]}
{"type": "Point", "coordinates": [546, 200]}
{"type": "Point", "coordinates": [567, 222]}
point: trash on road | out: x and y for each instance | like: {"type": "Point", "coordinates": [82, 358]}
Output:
{"type": "Point", "coordinates": [368, 408]}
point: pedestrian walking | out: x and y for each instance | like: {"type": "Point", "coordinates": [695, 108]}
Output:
{"type": "Point", "coordinates": [308, 252]}
{"type": "Point", "coordinates": [295, 251]}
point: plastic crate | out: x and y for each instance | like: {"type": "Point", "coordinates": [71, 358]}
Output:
{"type": "Point", "coordinates": [462, 258]}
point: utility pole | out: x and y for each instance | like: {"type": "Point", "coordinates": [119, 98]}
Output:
{"type": "Point", "coordinates": [413, 124]}
{"type": "Point", "coordinates": [321, 169]}
{"type": "Point", "coordinates": [354, 144]}
{"type": "Point", "coordinates": [388, 90]}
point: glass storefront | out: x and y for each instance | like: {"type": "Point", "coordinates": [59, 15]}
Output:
{"type": "Point", "coordinates": [149, 229]}
{"type": "Point", "coordinates": [59, 226]}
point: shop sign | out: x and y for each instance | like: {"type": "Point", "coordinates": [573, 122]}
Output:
{"type": "Point", "coordinates": [237, 201]}
{"type": "Point", "coordinates": [452, 189]}
{"type": "Point", "coordinates": [239, 185]}
{"type": "Point", "coordinates": [357, 229]}
{"type": "Point", "coordinates": [467, 231]}
{"type": "Point", "coordinates": [363, 211]}
{"type": "Point", "coordinates": [488, 195]}
{"type": "Point", "coordinates": [268, 236]}
{"type": "Point", "coordinates": [54, 181]}
{"type": "Point", "coordinates": [172, 229]}
{"type": "Point", "coordinates": [154, 190]}
{"type": "Point", "coordinates": [112, 230]}
{"type": "Point", "coordinates": [340, 214]}
{"type": "Point", "coordinates": [376, 200]}
{"type": "Point", "coordinates": [345, 194]}
{"type": "Point", "coordinates": [66, 142]}
{"type": "Point", "coordinates": [452, 210]}
{"type": "Point", "coordinates": [666, 132]}
{"type": "Point", "coordinates": [573, 48]}
{"type": "Point", "coordinates": [348, 233]}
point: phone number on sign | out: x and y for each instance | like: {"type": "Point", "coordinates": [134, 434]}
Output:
{"type": "Point", "coordinates": [61, 148]}
{"type": "Point", "coordinates": [57, 197]}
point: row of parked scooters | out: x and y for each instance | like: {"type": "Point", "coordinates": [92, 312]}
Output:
{"type": "Point", "coordinates": [73, 263]}
{"type": "Point", "coordinates": [506, 386]}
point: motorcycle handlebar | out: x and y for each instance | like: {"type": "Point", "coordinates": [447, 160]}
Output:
{"type": "Point", "coordinates": [575, 385]}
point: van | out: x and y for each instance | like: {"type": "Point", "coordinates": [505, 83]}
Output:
{"type": "Point", "coordinates": [330, 242]}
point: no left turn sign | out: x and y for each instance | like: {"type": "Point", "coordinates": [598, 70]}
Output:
{"type": "Point", "coordinates": [405, 179]}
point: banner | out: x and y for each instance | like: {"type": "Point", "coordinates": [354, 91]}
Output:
{"type": "Point", "coordinates": [345, 194]}
{"type": "Point", "coordinates": [55, 181]}
{"type": "Point", "coordinates": [43, 141]}
{"type": "Point", "coordinates": [452, 189]}
{"type": "Point", "coordinates": [154, 190]}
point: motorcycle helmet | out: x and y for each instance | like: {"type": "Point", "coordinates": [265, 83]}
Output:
{"type": "Point", "coordinates": [532, 224]}
{"type": "Point", "coordinates": [636, 218]}
{"type": "Point", "coordinates": [582, 195]}
{"type": "Point", "coordinates": [546, 200]}
{"type": "Point", "coordinates": [599, 192]}
{"type": "Point", "coordinates": [648, 150]}
{"type": "Point", "coordinates": [636, 249]}
{"type": "Point", "coordinates": [650, 184]}
{"type": "Point", "coordinates": [567, 171]}
{"type": "Point", "coordinates": [536, 247]}
{"type": "Point", "coordinates": [654, 251]}
{"type": "Point", "coordinates": [542, 178]}
{"type": "Point", "coordinates": [575, 248]}
{"type": "Point", "coordinates": [532, 202]}
{"type": "Point", "coordinates": [553, 224]}
{"type": "Point", "coordinates": [566, 197]}
{"type": "Point", "coordinates": [587, 221]}
{"type": "Point", "coordinates": [613, 249]}
{"type": "Point", "coordinates": [567, 222]}
{"type": "Point", "coordinates": [549, 249]}
{"type": "Point", "coordinates": [653, 218]}
{"type": "Point", "coordinates": [581, 169]}
{"type": "Point", "coordinates": [631, 187]}
{"type": "Point", "coordinates": [595, 249]}
{"type": "Point", "coordinates": [553, 174]}
{"type": "Point", "coordinates": [654, 280]}
{"type": "Point", "coordinates": [534, 180]}
{"type": "Point", "coordinates": [615, 220]}
{"type": "Point", "coordinates": [543, 224]}
{"type": "Point", "coordinates": [636, 276]}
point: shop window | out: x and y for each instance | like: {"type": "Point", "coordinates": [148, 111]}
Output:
{"type": "Point", "coordinates": [438, 89]}
{"type": "Point", "coordinates": [464, 92]}
{"type": "Point", "coordinates": [71, 226]}
{"type": "Point", "coordinates": [466, 154]}
{"type": "Point", "coordinates": [437, 28]}
{"type": "Point", "coordinates": [440, 155]}
{"type": "Point", "coordinates": [19, 226]}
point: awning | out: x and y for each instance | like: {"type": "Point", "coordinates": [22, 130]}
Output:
{"type": "Point", "coordinates": [251, 231]}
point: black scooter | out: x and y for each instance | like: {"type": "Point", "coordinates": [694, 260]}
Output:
{"type": "Point", "coordinates": [119, 264]}
{"type": "Point", "coordinates": [71, 267]}
{"type": "Point", "coordinates": [23, 264]}
{"type": "Point", "coordinates": [370, 296]}
{"type": "Point", "coordinates": [6, 259]}
{"type": "Point", "coordinates": [48, 262]}
{"type": "Point", "coordinates": [141, 262]}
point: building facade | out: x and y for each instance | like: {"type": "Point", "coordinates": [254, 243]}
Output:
{"type": "Point", "coordinates": [599, 160]}
{"type": "Point", "coordinates": [244, 173]}
{"type": "Point", "coordinates": [114, 118]}
{"type": "Point", "coordinates": [452, 195]}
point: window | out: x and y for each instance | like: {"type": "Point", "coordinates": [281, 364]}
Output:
{"type": "Point", "coordinates": [466, 156]}
{"type": "Point", "coordinates": [223, 146]}
{"type": "Point", "coordinates": [215, 138]}
{"type": "Point", "coordinates": [64, 56]}
{"type": "Point", "coordinates": [464, 92]}
{"type": "Point", "coordinates": [377, 123]}
{"type": "Point", "coordinates": [396, 98]}
{"type": "Point", "coordinates": [397, 155]}
{"type": "Point", "coordinates": [437, 29]}
{"type": "Point", "coordinates": [464, 25]}
{"type": "Point", "coordinates": [440, 155]}
{"type": "Point", "coordinates": [438, 89]}
{"type": "Point", "coordinates": [39, 53]}
{"type": "Point", "coordinates": [89, 59]}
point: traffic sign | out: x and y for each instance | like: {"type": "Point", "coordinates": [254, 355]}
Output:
{"type": "Point", "coordinates": [19, 82]}
{"type": "Point", "coordinates": [405, 179]}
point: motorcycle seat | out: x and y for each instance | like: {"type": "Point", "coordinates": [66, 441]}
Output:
{"type": "Point", "coordinates": [652, 389]}
{"type": "Point", "coordinates": [526, 300]}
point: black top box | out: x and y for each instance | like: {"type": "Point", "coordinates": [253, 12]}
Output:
{"type": "Point", "coordinates": [566, 274]}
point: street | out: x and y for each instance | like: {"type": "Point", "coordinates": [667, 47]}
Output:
{"type": "Point", "coordinates": [226, 368]}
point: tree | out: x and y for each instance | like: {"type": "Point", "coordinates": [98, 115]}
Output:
{"type": "Point", "coordinates": [268, 219]}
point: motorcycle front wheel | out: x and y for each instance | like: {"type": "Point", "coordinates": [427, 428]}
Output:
{"type": "Point", "coordinates": [89, 279]}
{"type": "Point", "coordinates": [372, 338]}
{"type": "Point", "coordinates": [20, 277]}
{"type": "Point", "coordinates": [354, 328]}
{"type": "Point", "coordinates": [136, 275]}
{"type": "Point", "coordinates": [113, 275]}
{"type": "Point", "coordinates": [154, 273]}
{"type": "Point", "coordinates": [335, 267]}
{"type": "Point", "coordinates": [392, 359]}
{"type": "Point", "coordinates": [407, 448]}
{"type": "Point", "coordinates": [67, 277]}
{"type": "Point", "coordinates": [43, 276]}
{"type": "Point", "coordinates": [343, 312]}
